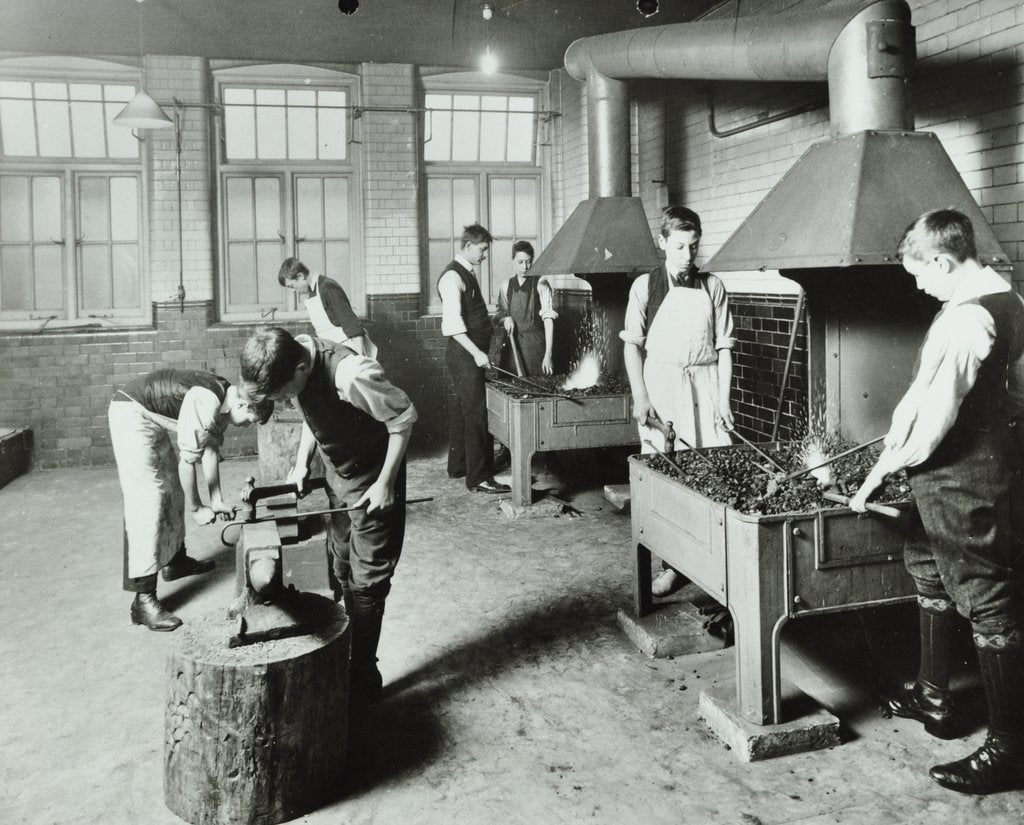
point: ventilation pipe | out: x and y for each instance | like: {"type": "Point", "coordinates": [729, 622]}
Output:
{"type": "Point", "coordinates": [864, 52]}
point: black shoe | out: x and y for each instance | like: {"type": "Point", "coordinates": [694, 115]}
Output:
{"type": "Point", "coordinates": [995, 766]}
{"type": "Point", "coordinates": [925, 703]}
{"type": "Point", "coordinates": [182, 565]}
{"type": "Point", "coordinates": [491, 486]}
{"type": "Point", "coordinates": [147, 610]}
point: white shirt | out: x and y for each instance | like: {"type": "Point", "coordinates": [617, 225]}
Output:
{"type": "Point", "coordinates": [960, 338]}
{"type": "Point", "coordinates": [360, 381]}
{"type": "Point", "coordinates": [451, 288]}
{"type": "Point", "coordinates": [636, 312]}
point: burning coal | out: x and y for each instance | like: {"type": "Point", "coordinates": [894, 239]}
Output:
{"type": "Point", "coordinates": [586, 374]}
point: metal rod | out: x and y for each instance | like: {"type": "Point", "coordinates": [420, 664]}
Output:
{"type": "Point", "coordinates": [881, 509]}
{"type": "Point", "coordinates": [540, 387]}
{"type": "Point", "coordinates": [516, 357]}
{"type": "Point", "coordinates": [789, 363]}
{"type": "Point", "coordinates": [760, 452]}
{"type": "Point", "coordinates": [679, 469]}
{"type": "Point", "coordinates": [836, 457]}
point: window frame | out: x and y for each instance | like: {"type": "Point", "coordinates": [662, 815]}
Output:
{"type": "Point", "coordinates": [480, 84]}
{"type": "Point", "coordinates": [70, 170]}
{"type": "Point", "coordinates": [288, 76]}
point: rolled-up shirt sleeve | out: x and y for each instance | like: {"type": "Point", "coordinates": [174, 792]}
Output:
{"type": "Point", "coordinates": [547, 299]}
{"type": "Point", "coordinates": [450, 287]}
{"type": "Point", "coordinates": [959, 340]}
{"type": "Point", "coordinates": [199, 423]}
{"type": "Point", "coordinates": [725, 335]}
{"type": "Point", "coordinates": [636, 313]}
{"type": "Point", "coordinates": [361, 382]}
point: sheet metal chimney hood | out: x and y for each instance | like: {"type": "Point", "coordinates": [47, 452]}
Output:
{"type": "Point", "coordinates": [847, 202]}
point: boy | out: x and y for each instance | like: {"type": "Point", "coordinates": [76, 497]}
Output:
{"type": "Point", "coordinates": [361, 424]}
{"type": "Point", "coordinates": [156, 487]}
{"type": "Point", "coordinates": [526, 311]}
{"type": "Point", "coordinates": [952, 432]}
{"type": "Point", "coordinates": [328, 306]}
{"type": "Point", "coordinates": [678, 349]}
{"type": "Point", "coordinates": [464, 321]}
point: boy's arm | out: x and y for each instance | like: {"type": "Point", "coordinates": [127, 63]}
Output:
{"type": "Point", "coordinates": [211, 470]}
{"type": "Point", "coordinates": [725, 418]}
{"type": "Point", "coordinates": [724, 341]}
{"type": "Point", "coordinates": [299, 473]}
{"type": "Point", "coordinates": [548, 316]}
{"type": "Point", "coordinates": [187, 478]}
{"type": "Point", "coordinates": [955, 347]}
{"type": "Point", "coordinates": [381, 494]}
{"type": "Point", "coordinates": [633, 337]}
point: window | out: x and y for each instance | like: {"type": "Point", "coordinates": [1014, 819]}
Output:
{"type": "Point", "coordinates": [287, 186]}
{"type": "Point", "coordinates": [480, 152]}
{"type": "Point", "coordinates": [71, 239]}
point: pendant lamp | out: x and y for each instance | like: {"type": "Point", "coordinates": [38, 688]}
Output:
{"type": "Point", "coordinates": [142, 112]}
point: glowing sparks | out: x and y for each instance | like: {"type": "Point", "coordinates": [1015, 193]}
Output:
{"type": "Point", "coordinates": [814, 455]}
{"type": "Point", "coordinates": [586, 374]}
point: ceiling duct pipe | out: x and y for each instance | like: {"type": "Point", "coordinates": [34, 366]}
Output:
{"type": "Point", "coordinates": [865, 53]}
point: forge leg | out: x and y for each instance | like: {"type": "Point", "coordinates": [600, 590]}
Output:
{"type": "Point", "coordinates": [643, 599]}
{"type": "Point", "coordinates": [522, 486]}
{"type": "Point", "coordinates": [758, 683]}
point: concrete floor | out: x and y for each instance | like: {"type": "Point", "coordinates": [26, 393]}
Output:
{"type": "Point", "coordinates": [512, 696]}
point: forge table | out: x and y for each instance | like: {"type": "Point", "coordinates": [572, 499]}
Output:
{"type": "Point", "coordinates": [765, 570]}
{"type": "Point", "coordinates": [529, 424]}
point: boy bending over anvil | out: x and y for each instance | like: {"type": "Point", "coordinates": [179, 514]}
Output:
{"type": "Point", "coordinates": [952, 432]}
{"type": "Point", "coordinates": [196, 408]}
{"type": "Point", "coordinates": [361, 424]}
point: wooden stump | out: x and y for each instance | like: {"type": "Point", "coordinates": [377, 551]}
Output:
{"type": "Point", "coordinates": [256, 734]}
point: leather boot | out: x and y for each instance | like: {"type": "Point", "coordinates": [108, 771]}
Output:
{"type": "Point", "coordinates": [925, 703]}
{"type": "Point", "coordinates": [366, 615]}
{"type": "Point", "coordinates": [182, 565]}
{"type": "Point", "coordinates": [927, 699]}
{"type": "Point", "coordinates": [147, 610]}
{"type": "Point", "coordinates": [998, 765]}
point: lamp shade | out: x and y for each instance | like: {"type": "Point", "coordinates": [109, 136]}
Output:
{"type": "Point", "coordinates": [142, 112]}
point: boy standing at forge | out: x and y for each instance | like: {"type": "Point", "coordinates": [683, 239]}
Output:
{"type": "Point", "coordinates": [678, 349]}
{"type": "Point", "coordinates": [195, 408]}
{"type": "Point", "coordinates": [466, 324]}
{"type": "Point", "coordinates": [361, 424]}
{"type": "Point", "coordinates": [952, 432]}
{"type": "Point", "coordinates": [328, 306]}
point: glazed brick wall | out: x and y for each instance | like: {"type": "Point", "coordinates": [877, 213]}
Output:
{"type": "Point", "coordinates": [390, 171]}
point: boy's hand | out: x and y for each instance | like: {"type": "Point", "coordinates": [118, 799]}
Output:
{"type": "Point", "coordinates": [642, 409]}
{"type": "Point", "coordinates": [859, 502]}
{"type": "Point", "coordinates": [509, 324]}
{"type": "Point", "coordinates": [724, 418]}
{"type": "Point", "coordinates": [379, 497]}
{"type": "Point", "coordinates": [546, 366]}
{"type": "Point", "coordinates": [222, 511]}
{"type": "Point", "coordinates": [298, 477]}
{"type": "Point", "coordinates": [481, 359]}
{"type": "Point", "coordinates": [203, 515]}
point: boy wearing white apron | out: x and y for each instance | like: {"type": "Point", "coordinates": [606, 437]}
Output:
{"type": "Point", "coordinates": [194, 409]}
{"type": "Point", "coordinates": [678, 349]}
{"type": "Point", "coordinates": [328, 306]}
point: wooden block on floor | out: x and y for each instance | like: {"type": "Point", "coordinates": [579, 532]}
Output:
{"type": "Point", "coordinates": [809, 727]}
{"type": "Point", "coordinates": [545, 508]}
{"type": "Point", "coordinates": [672, 629]}
{"type": "Point", "coordinates": [618, 495]}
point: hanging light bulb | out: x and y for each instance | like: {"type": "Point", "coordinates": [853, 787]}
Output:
{"type": "Point", "coordinates": [489, 62]}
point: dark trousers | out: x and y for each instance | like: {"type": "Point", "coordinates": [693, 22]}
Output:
{"type": "Point", "coordinates": [470, 446]}
{"type": "Point", "coordinates": [365, 547]}
{"type": "Point", "coordinates": [960, 544]}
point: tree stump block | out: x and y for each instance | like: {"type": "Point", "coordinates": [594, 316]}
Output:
{"type": "Point", "coordinates": [256, 734]}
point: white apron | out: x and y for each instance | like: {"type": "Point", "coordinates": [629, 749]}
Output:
{"type": "Point", "coordinates": [681, 370]}
{"type": "Point", "coordinates": [147, 467]}
{"type": "Point", "coordinates": [324, 328]}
